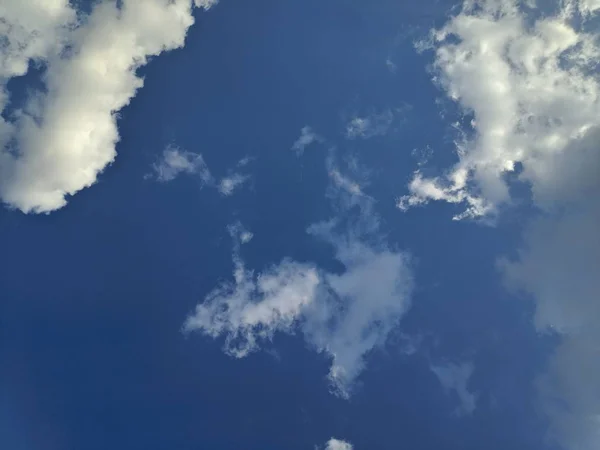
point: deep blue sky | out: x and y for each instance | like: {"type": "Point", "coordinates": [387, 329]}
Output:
{"type": "Point", "coordinates": [93, 296]}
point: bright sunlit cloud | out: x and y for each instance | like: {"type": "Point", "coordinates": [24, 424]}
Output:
{"type": "Point", "coordinates": [66, 136]}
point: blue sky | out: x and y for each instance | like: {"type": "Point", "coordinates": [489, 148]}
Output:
{"type": "Point", "coordinates": [279, 224]}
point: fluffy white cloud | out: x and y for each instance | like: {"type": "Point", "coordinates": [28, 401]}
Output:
{"type": "Point", "coordinates": [455, 378]}
{"type": "Point", "coordinates": [336, 444]}
{"type": "Point", "coordinates": [345, 315]}
{"type": "Point", "coordinates": [65, 136]}
{"type": "Point", "coordinates": [529, 79]}
{"type": "Point", "coordinates": [32, 31]}
{"type": "Point", "coordinates": [533, 91]}
{"type": "Point", "coordinates": [306, 138]}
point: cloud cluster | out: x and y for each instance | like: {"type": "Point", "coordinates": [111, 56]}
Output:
{"type": "Point", "coordinates": [533, 91]}
{"type": "Point", "coordinates": [175, 161]}
{"type": "Point", "coordinates": [529, 81]}
{"type": "Point", "coordinates": [345, 314]}
{"type": "Point", "coordinates": [66, 135]}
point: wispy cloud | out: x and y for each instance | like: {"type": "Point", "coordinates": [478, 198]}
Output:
{"type": "Point", "coordinates": [175, 161]}
{"type": "Point", "coordinates": [230, 183]}
{"type": "Point", "coordinates": [239, 234]}
{"type": "Point", "coordinates": [375, 123]}
{"type": "Point", "coordinates": [391, 65]}
{"type": "Point", "coordinates": [454, 378]}
{"type": "Point", "coordinates": [307, 137]}
{"type": "Point", "coordinates": [66, 135]}
{"type": "Point", "coordinates": [345, 315]}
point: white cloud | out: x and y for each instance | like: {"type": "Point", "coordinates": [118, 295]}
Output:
{"type": "Point", "coordinates": [371, 125]}
{"type": "Point", "coordinates": [239, 234]}
{"type": "Point", "coordinates": [376, 123]}
{"type": "Point", "coordinates": [534, 93]}
{"type": "Point", "coordinates": [336, 444]}
{"type": "Point", "coordinates": [530, 80]}
{"type": "Point", "coordinates": [455, 378]}
{"type": "Point", "coordinates": [245, 161]}
{"type": "Point", "coordinates": [176, 161]}
{"type": "Point", "coordinates": [391, 65]}
{"type": "Point", "coordinates": [422, 155]}
{"type": "Point", "coordinates": [246, 237]}
{"type": "Point", "coordinates": [230, 183]}
{"type": "Point", "coordinates": [344, 315]}
{"type": "Point", "coordinates": [282, 292]}
{"type": "Point", "coordinates": [66, 135]}
{"type": "Point", "coordinates": [344, 183]}
{"type": "Point", "coordinates": [306, 138]}
{"type": "Point", "coordinates": [206, 4]}
{"type": "Point", "coordinates": [32, 31]}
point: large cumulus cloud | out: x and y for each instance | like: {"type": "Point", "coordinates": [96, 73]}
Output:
{"type": "Point", "coordinates": [66, 135]}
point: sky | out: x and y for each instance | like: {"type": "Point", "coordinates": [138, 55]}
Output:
{"type": "Point", "coordinates": [275, 224]}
